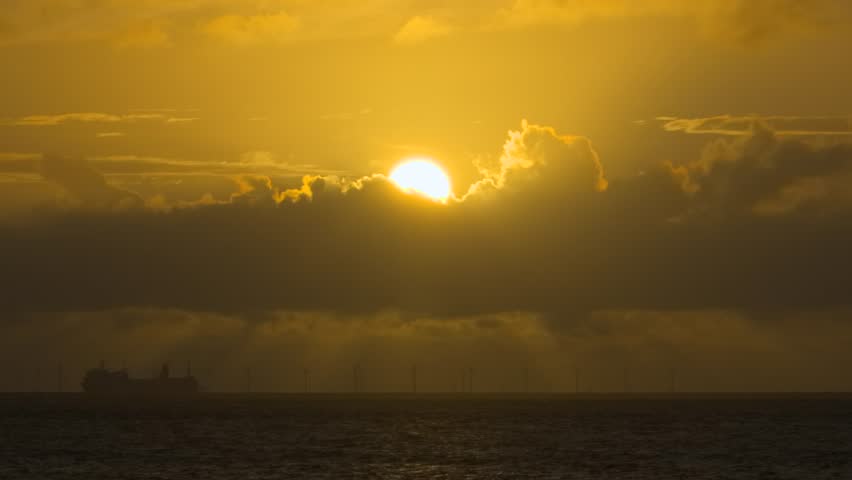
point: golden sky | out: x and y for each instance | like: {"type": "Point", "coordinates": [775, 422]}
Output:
{"type": "Point", "coordinates": [644, 183]}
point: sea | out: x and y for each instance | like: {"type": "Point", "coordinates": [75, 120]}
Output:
{"type": "Point", "coordinates": [452, 436]}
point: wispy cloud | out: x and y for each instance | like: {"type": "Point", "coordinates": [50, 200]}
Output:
{"type": "Point", "coordinates": [740, 125]}
{"type": "Point", "coordinates": [91, 117]}
{"type": "Point", "coordinates": [16, 156]}
{"type": "Point", "coordinates": [181, 119]}
{"type": "Point", "coordinates": [249, 163]}
{"type": "Point", "coordinates": [136, 167]}
{"type": "Point", "coordinates": [346, 115]}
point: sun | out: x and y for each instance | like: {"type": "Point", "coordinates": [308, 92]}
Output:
{"type": "Point", "coordinates": [424, 177]}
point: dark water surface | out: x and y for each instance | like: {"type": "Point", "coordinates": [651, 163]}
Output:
{"type": "Point", "coordinates": [430, 436]}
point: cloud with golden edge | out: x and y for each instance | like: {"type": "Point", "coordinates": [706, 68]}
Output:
{"type": "Point", "coordinates": [252, 29]}
{"type": "Point", "coordinates": [547, 229]}
{"type": "Point", "coordinates": [419, 29]}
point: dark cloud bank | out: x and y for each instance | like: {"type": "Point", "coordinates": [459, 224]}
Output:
{"type": "Point", "coordinates": [756, 223]}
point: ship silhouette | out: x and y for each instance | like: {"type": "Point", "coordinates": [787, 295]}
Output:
{"type": "Point", "coordinates": [118, 382]}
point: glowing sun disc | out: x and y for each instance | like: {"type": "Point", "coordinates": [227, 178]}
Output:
{"type": "Point", "coordinates": [423, 177]}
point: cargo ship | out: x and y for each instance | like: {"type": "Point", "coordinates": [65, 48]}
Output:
{"type": "Point", "coordinates": [118, 382]}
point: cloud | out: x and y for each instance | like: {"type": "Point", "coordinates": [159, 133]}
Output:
{"type": "Point", "coordinates": [159, 23]}
{"type": "Point", "coordinates": [253, 29]}
{"type": "Point", "coordinates": [15, 156]}
{"type": "Point", "coordinates": [17, 166]}
{"type": "Point", "coordinates": [743, 227]}
{"type": "Point", "coordinates": [91, 117]}
{"type": "Point", "coordinates": [539, 155]}
{"type": "Point", "coordinates": [181, 119]}
{"type": "Point", "coordinates": [342, 116]}
{"type": "Point", "coordinates": [742, 125]}
{"type": "Point", "coordinates": [249, 163]}
{"type": "Point", "coordinates": [608, 348]}
{"type": "Point", "coordinates": [142, 24]}
{"type": "Point", "coordinates": [419, 29]}
{"type": "Point", "coordinates": [749, 21]}
{"type": "Point", "coordinates": [761, 173]}
{"type": "Point", "coordinates": [85, 184]}
{"type": "Point", "coordinates": [162, 181]}
{"type": "Point", "coordinates": [737, 21]}
{"type": "Point", "coordinates": [145, 34]}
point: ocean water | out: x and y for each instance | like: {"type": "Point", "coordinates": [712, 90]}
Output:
{"type": "Point", "coordinates": [59, 436]}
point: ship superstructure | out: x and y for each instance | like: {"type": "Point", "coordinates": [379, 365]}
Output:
{"type": "Point", "coordinates": [103, 381]}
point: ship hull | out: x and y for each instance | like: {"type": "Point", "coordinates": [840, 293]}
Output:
{"type": "Point", "coordinates": [118, 383]}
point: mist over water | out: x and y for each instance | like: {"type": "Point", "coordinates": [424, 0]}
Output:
{"type": "Point", "coordinates": [262, 436]}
